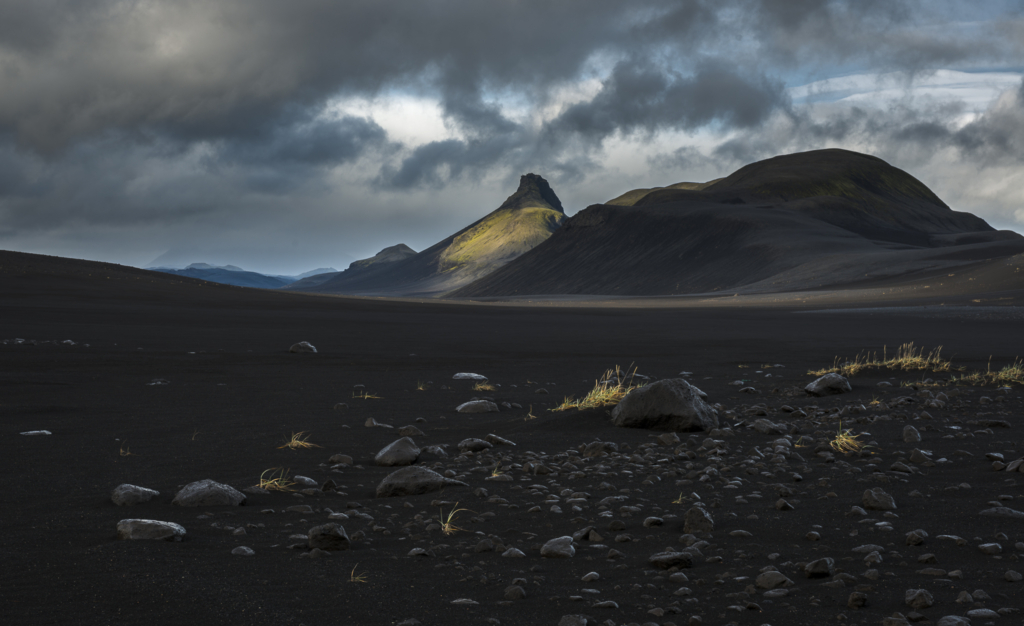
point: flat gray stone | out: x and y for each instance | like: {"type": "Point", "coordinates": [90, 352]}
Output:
{"type": "Point", "coordinates": [474, 445]}
{"type": "Point", "coordinates": [821, 568]}
{"type": "Point", "coordinates": [772, 580]}
{"type": "Point", "coordinates": [403, 451]}
{"type": "Point", "coordinates": [477, 406]}
{"type": "Point", "coordinates": [208, 493]}
{"type": "Point", "coordinates": [468, 376]}
{"type": "Point", "coordinates": [671, 404]}
{"type": "Point", "coordinates": [953, 620]}
{"type": "Point", "coordinates": [243, 551]}
{"type": "Point", "coordinates": [828, 384]}
{"type": "Point", "coordinates": [1003, 511]}
{"type": "Point", "coordinates": [665, 560]}
{"type": "Point", "coordinates": [149, 529]}
{"type": "Point", "coordinates": [413, 481]}
{"type": "Point", "coordinates": [129, 495]}
{"type": "Point", "coordinates": [918, 598]}
{"type": "Point", "coordinates": [876, 499]}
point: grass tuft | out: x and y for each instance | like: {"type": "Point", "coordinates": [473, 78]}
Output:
{"type": "Point", "coordinates": [298, 440]}
{"type": "Point", "coordinates": [277, 481]}
{"type": "Point", "coordinates": [447, 521]}
{"type": "Point", "coordinates": [124, 451]}
{"type": "Point", "coordinates": [421, 386]}
{"type": "Point", "coordinates": [1011, 374]}
{"type": "Point", "coordinates": [608, 391]}
{"type": "Point", "coordinates": [907, 357]}
{"type": "Point", "coordinates": [845, 442]}
{"type": "Point", "coordinates": [483, 386]}
{"type": "Point", "coordinates": [363, 395]}
{"type": "Point", "coordinates": [357, 578]}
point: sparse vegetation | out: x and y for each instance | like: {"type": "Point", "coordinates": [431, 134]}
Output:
{"type": "Point", "coordinates": [907, 357]}
{"type": "Point", "coordinates": [846, 442]}
{"type": "Point", "coordinates": [608, 391]}
{"type": "Point", "coordinates": [681, 499]}
{"type": "Point", "coordinates": [447, 521]}
{"type": "Point", "coordinates": [277, 481]}
{"type": "Point", "coordinates": [357, 578]}
{"type": "Point", "coordinates": [124, 451]}
{"type": "Point", "coordinates": [421, 386]}
{"type": "Point", "coordinates": [529, 414]}
{"type": "Point", "coordinates": [364, 395]}
{"type": "Point", "coordinates": [298, 440]}
{"type": "Point", "coordinates": [483, 386]}
{"type": "Point", "coordinates": [1011, 374]}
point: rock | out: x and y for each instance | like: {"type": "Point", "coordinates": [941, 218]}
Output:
{"type": "Point", "coordinates": [208, 493]}
{"type": "Point", "coordinates": [828, 384]}
{"type": "Point", "coordinates": [766, 427]}
{"type": "Point", "coordinates": [513, 553]}
{"type": "Point", "coordinates": [1013, 576]}
{"type": "Point", "coordinates": [305, 481]}
{"type": "Point", "coordinates": [771, 580]}
{"type": "Point", "coordinates": [498, 441]}
{"type": "Point", "coordinates": [857, 600]}
{"type": "Point", "coordinates": [953, 620]}
{"type": "Point", "coordinates": [372, 423]}
{"type": "Point", "coordinates": [477, 406]}
{"type": "Point", "coordinates": [876, 499]}
{"type": "Point", "coordinates": [919, 457]}
{"type": "Point", "coordinates": [399, 452]}
{"type": "Point", "coordinates": [665, 560]}
{"type": "Point", "coordinates": [243, 551]}
{"type": "Point", "coordinates": [982, 613]}
{"type": "Point", "coordinates": [991, 548]}
{"type": "Point", "coordinates": [128, 495]}
{"type": "Point", "coordinates": [916, 537]}
{"type": "Point", "coordinates": [143, 529]}
{"type": "Point", "coordinates": [783, 505]}
{"type": "Point", "coordinates": [514, 592]}
{"type": "Point", "coordinates": [34, 433]}
{"type": "Point", "coordinates": [670, 404]}
{"type": "Point", "coordinates": [669, 439]}
{"type": "Point", "coordinates": [558, 548]}
{"type": "Point", "coordinates": [302, 346]}
{"type": "Point", "coordinates": [911, 434]}
{"type": "Point", "coordinates": [468, 376]}
{"type": "Point", "coordinates": [340, 459]}
{"type": "Point", "coordinates": [573, 620]}
{"type": "Point", "coordinates": [918, 598]}
{"type": "Point", "coordinates": [821, 568]}
{"type": "Point", "coordinates": [1003, 511]}
{"type": "Point", "coordinates": [412, 481]}
{"type": "Point", "coordinates": [597, 449]}
{"type": "Point", "coordinates": [698, 520]}
{"type": "Point", "coordinates": [410, 431]}
{"type": "Point", "coordinates": [897, 619]}
{"type": "Point", "coordinates": [474, 445]}
{"type": "Point", "coordinates": [330, 537]}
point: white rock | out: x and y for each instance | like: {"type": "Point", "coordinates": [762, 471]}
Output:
{"type": "Point", "coordinates": [468, 376]}
{"type": "Point", "coordinates": [30, 433]}
{"type": "Point", "coordinates": [142, 529]}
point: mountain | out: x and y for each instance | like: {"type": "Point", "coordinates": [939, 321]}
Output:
{"type": "Point", "coordinates": [526, 219]}
{"type": "Point", "coordinates": [826, 218]}
{"type": "Point", "coordinates": [234, 275]}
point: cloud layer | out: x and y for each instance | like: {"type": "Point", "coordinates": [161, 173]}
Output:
{"type": "Point", "coordinates": [128, 127]}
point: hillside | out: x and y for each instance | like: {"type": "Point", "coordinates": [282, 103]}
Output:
{"type": "Point", "coordinates": [526, 219]}
{"type": "Point", "coordinates": [802, 221]}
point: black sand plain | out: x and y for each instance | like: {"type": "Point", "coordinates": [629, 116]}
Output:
{"type": "Point", "coordinates": [234, 394]}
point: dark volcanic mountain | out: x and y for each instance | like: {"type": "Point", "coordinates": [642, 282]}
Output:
{"type": "Point", "coordinates": [801, 221]}
{"type": "Point", "coordinates": [524, 220]}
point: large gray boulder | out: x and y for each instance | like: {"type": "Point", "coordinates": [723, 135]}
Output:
{"type": "Point", "coordinates": [128, 495]}
{"type": "Point", "coordinates": [400, 452]}
{"type": "Point", "coordinates": [208, 493]}
{"type": "Point", "coordinates": [828, 384]}
{"type": "Point", "coordinates": [149, 529]}
{"type": "Point", "coordinates": [412, 481]}
{"type": "Point", "coordinates": [329, 537]}
{"type": "Point", "coordinates": [670, 404]}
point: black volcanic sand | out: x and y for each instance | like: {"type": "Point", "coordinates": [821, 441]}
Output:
{"type": "Point", "coordinates": [235, 393]}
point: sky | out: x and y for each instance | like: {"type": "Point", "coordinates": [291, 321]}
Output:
{"type": "Point", "coordinates": [286, 136]}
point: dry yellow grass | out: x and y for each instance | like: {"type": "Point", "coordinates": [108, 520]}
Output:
{"type": "Point", "coordinates": [277, 481]}
{"type": "Point", "coordinates": [421, 386]}
{"type": "Point", "coordinates": [298, 440]}
{"type": "Point", "coordinates": [907, 357]}
{"type": "Point", "coordinates": [1011, 374]}
{"type": "Point", "coordinates": [357, 578]}
{"type": "Point", "coordinates": [447, 525]}
{"type": "Point", "coordinates": [363, 395]}
{"type": "Point", "coordinates": [846, 442]}
{"type": "Point", "coordinates": [483, 386]}
{"type": "Point", "coordinates": [608, 391]}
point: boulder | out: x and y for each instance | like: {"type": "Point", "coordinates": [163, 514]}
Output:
{"type": "Point", "coordinates": [412, 481]}
{"type": "Point", "coordinates": [329, 536]}
{"type": "Point", "coordinates": [670, 404]}
{"type": "Point", "coordinates": [558, 548]}
{"type": "Point", "coordinates": [698, 520]}
{"type": "Point", "coordinates": [151, 529]}
{"type": "Point", "coordinates": [302, 346]}
{"type": "Point", "coordinates": [128, 495]}
{"type": "Point", "coordinates": [477, 406]}
{"type": "Point", "coordinates": [208, 493]}
{"type": "Point", "coordinates": [822, 568]}
{"type": "Point", "coordinates": [468, 376]}
{"type": "Point", "coordinates": [828, 384]}
{"type": "Point", "coordinates": [772, 580]}
{"type": "Point", "coordinates": [875, 499]}
{"type": "Point", "coordinates": [474, 445]}
{"type": "Point", "coordinates": [400, 452]}
{"type": "Point", "coordinates": [665, 560]}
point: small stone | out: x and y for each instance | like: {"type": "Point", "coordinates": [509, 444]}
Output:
{"type": "Point", "coordinates": [783, 505]}
{"type": "Point", "coordinates": [876, 499]}
{"type": "Point", "coordinates": [918, 598]}
{"type": "Point", "coordinates": [208, 493]}
{"type": "Point", "coordinates": [468, 376]}
{"type": "Point", "coordinates": [953, 620]}
{"type": "Point", "coordinates": [828, 384]}
{"type": "Point", "coordinates": [591, 577]}
{"type": "Point", "coordinates": [514, 592]}
{"type": "Point", "coordinates": [330, 536]}
{"type": "Point", "coordinates": [302, 346]}
{"type": "Point", "coordinates": [991, 548]}
{"type": "Point", "coordinates": [698, 520]}
{"type": "Point", "coordinates": [1013, 576]}
{"type": "Point", "coordinates": [474, 445]}
{"type": "Point", "coordinates": [477, 406]}
{"type": "Point", "coordinates": [243, 551]}
{"type": "Point", "coordinates": [513, 553]}
{"type": "Point", "coordinates": [666, 560]}
{"type": "Point", "coordinates": [398, 453]}
{"type": "Point", "coordinates": [772, 580]}
{"type": "Point", "coordinates": [129, 495]}
{"type": "Point", "coordinates": [857, 600]}
{"type": "Point", "coordinates": [558, 548]}
{"type": "Point", "coordinates": [148, 529]}
{"type": "Point", "coordinates": [982, 613]}
{"type": "Point", "coordinates": [911, 434]}
{"type": "Point", "coordinates": [820, 568]}
{"type": "Point", "coordinates": [464, 602]}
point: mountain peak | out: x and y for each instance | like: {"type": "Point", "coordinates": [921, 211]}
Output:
{"type": "Point", "coordinates": [533, 191]}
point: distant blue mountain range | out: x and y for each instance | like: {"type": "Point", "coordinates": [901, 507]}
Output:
{"type": "Point", "coordinates": [234, 275]}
